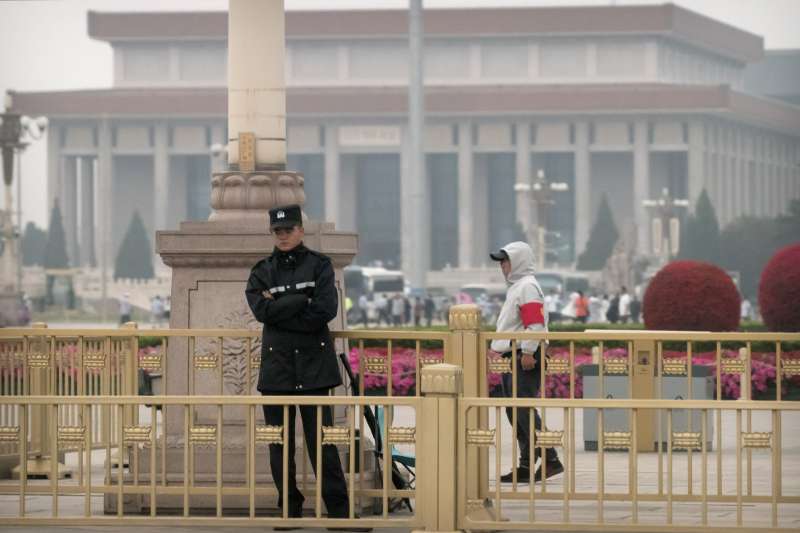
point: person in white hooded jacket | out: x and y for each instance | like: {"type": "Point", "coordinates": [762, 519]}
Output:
{"type": "Point", "coordinates": [523, 310]}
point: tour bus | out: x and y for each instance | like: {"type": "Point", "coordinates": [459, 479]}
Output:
{"type": "Point", "coordinates": [360, 280]}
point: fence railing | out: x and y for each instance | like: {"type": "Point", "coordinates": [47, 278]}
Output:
{"type": "Point", "coordinates": [621, 487]}
{"type": "Point", "coordinates": [161, 476]}
{"type": "Point", "coordinates": [651, 409]}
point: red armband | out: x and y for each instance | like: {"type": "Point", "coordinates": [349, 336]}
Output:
{"type": "Point", "coordinates": [532, 313]}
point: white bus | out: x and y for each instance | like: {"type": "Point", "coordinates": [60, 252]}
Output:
{"type": "Point", "coordinates": [372, 280]}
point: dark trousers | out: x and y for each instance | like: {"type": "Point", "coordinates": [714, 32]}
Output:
{"type": "Point", "coordinates": [527, 387]}
{"type": "Point", "coordinates": [334, 487]}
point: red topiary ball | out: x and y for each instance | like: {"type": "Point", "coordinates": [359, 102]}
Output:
{"type": "Point", "coordinates": [779, 290]}
{"type": "Point", "coordinates": [691, 295]}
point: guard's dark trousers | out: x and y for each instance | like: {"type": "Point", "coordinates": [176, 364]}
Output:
{"type": "Point", "coordinates": [527, 387]}
{"type": "Point", "coordinates": [334, 487]}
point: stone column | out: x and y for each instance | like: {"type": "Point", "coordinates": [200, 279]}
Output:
{"type": "Point", "coordinates": [88, 257]}
{"type": "Point", "coordinates": [695, 174]}
{"type": "Point", "coordinates": [523, 169]}
{"type": "Point", "coordinates": [104, 200]}
{"type": "Point", "coordinates": [161, 175]}
{"type": "Point", "coordinates": [641, 184]}
{"type": "Point", "coordinates": [69, 207]}
{"type": "Point", "coordinates": [332, 168]}
{"type": "Point", "coordinates": [466, 178]}
{"type": "Point", "coordinates": [479, 211]}
{"type": "Point", "coordinates": [348, 188]}
{"type": "Point", "coordinates": [414, 215]}
{"type": "Point", "coordinates": [53, 165]}
{"type": "Point", "coordinates": [256, 90]}
{"type": "Point", "coordinates": [583, 193]}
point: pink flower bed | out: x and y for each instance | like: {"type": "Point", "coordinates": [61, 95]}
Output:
{"type": "Point", "coordinates": [404, 368]}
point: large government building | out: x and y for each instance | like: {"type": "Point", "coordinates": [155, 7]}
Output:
{"type": "Point", "coordinates": [621, 100]}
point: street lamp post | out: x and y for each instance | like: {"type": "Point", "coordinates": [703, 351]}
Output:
{"type": "Point", "coordinates": [665, 225]}
{"type": "Point", "coordinates": [541, 195]}
{"type": "Point", "coordinates": [16, 133]}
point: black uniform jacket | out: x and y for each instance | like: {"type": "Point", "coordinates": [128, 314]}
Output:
{"type": "Point", "coordinates": [297, 352]}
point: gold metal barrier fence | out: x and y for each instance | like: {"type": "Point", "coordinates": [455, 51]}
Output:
{"type": "Point", "coordinates": [620, 487]}
{"type": "Point", "coordinates": [112, 362]}
{"type": "Point", "coordinates": [76, 501]}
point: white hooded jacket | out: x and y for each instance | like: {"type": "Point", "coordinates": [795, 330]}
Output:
{"type": "Point", "coordinates": [523, 297]}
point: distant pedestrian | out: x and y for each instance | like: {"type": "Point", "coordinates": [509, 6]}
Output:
{"type": "Point", "coordinates": [612, 312]}
{"type": "Point", "coordinates": [398, 310]}
{"type": "Point", "coordinates": [363, 304]}
{"type": "Point", "coordinates": [746, 309]}
{"type": "Point", "coordinates": [156, 310]}
{"type": "Point", "coordinates": [429, 309]}
{"type": "Point", "coordinates": [125, 308]}
{"type": "Point", "coordinates": [624, 305]}
{"type": "Point", "coordinates": [581, 308]}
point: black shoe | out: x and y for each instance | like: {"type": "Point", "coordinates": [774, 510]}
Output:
{"type": "Point", "coordinates": [523, 475]}
{"type": "Point", "coordinates": [357, 529]}
{"type": "Point", "coordinates": [553, 469]}
{"type": "Point", "coordinates": [292, 514]}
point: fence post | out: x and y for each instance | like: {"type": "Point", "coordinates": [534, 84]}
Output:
{"type": "Point", "coordinates": [437, 500]}
{"type": "Point", "coordinates": [38, 385]}
{"type": "Point", "coordinates": [467, 352]}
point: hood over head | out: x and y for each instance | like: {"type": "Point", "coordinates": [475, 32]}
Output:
{"type": "Point", "coordinates": [521, 257]}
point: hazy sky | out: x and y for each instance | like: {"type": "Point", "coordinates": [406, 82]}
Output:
{"type": "Point", "coordinates": [44, 46]}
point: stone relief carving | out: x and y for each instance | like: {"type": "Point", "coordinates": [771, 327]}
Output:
{"type": "Point", "coordinates": [235, 356]}
{"type": "Point", "coordinates": [259, 190]}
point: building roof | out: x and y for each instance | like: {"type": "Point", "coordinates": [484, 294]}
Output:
{"type": "Point", "coordinates": [537, 100]}
{"type": "Point", "coordinates": [661, 20]}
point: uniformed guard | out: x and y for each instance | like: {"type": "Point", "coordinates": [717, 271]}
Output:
{"type": "Point", "coordinates": [292, 293]}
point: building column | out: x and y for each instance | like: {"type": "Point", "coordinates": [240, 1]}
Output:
{"type": "Point", "coordinates": [105, 196]}
{"type": "Point", "coordinates": [523, 170]}
{"type": "Point", "coordinates": [415, 229]}
{"type": "Point", "coordinates": [696, 178]}
{"type": "Point", "coordinates": [87, 251]}
{"type": "Point", "coordinates": [348, 188]}
{"type": "Point", "coordinates": [161, 176]}
{"type": "Point", "coordinates": [332, 177]}
{"type": "Point", "coordinates": [481, 181]}
{"type": "Point", "coordinates": [53, 167]}
{"type": "Point", "coordinates": [583, 190]}
{"type": "Point", "coordinates": [69, 207]}
{"type": "Point", "coordinates": [466, 178]}
{"type": "Point", "coordinates": [641, 184]}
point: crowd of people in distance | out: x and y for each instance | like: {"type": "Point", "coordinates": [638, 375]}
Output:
{"type": "Point", "coordinates": [397, 309]}
{"type": "Point", "coordinates": [623, 307]}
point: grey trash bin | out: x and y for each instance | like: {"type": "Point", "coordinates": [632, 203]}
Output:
{"type": "Point", "coordinates": [675, 388]}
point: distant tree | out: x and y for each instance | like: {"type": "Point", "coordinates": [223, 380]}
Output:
{"type": "Point", "coordinates": [700, 233]}
{"type": "Point", "coordinates": [602, 238]}
{"type": "Point", "coordinates": [747, 243]}
{"type": "Point", "coordinates": [134, 260]}
{"type": "Point", "coordinates": [34, 241]}
{"type": "Point", "coordinates": [55, 251]}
